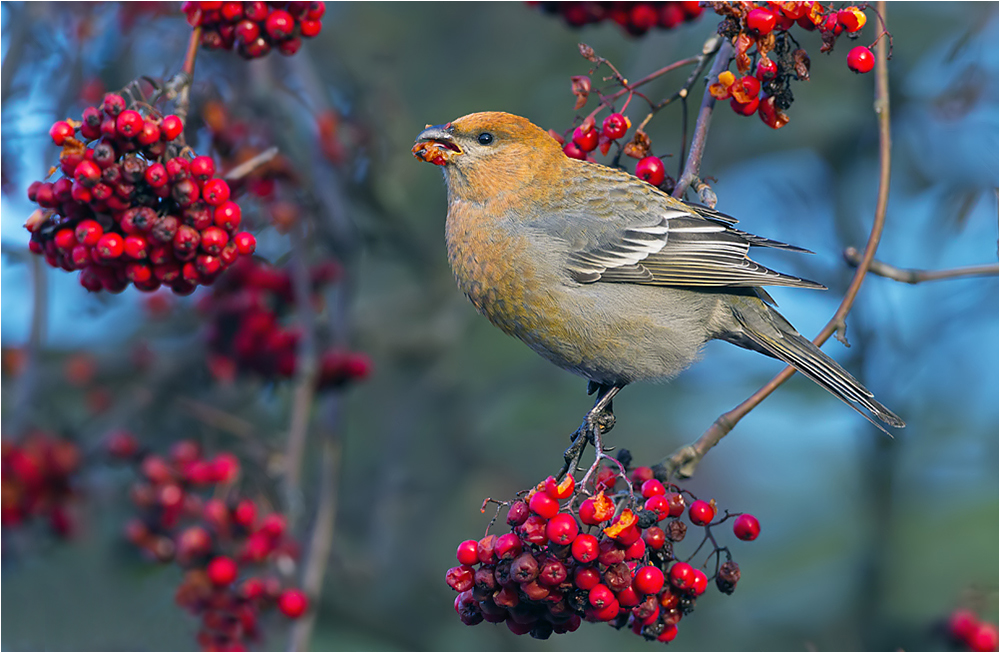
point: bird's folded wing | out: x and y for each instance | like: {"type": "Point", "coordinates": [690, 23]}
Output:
{"type": "Point", "coordinates": [664, 245]}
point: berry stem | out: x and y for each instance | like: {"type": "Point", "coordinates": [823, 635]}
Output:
{"type": "Point", "coordinates": [183, 96]}
{"type": "Point", "coordinates": [684, 461]}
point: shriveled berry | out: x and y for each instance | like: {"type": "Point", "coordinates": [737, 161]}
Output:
{"type": "Point", "coordinates": [460, 578]}
{"type": "Point", "coordinates": [113, 105]}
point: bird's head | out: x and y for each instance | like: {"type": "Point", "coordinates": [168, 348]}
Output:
{"type": "Point", "coordinates": [487, 153]}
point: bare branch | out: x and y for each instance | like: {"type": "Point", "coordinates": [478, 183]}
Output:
{"type": "Point", "coordinates": [913, 276]}
{"type": "Point", "coordinates": [685, 460]}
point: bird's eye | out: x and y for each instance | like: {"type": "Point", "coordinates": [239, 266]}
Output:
{"type": "Point", "coordinates": [485, 138]}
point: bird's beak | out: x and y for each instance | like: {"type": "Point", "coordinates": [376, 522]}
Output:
{"type": "Point", "coordinates": [436, 144]}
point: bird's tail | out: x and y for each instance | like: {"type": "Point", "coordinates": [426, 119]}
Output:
{"type": "Point", "coordinates": [771, 333]}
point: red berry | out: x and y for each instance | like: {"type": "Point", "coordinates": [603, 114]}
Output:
{"type": "Point", "coordinates": [222, 571]}
{"type": "Point", "coordinates": [138, 272]}
{"type": "Point", "coordinates": [279, 24]}
{"type": "Point", "coordinates": [231, 11]}
{"type": "Point", "coordinates": [747, 109]}
{"type": "Point", "coordinates": [171, 127]}
{"type": "Point", "coordinates": [671, 15]}
{"type": "Point", "coordinates": [507, 547]}
{"type": "Point", "coordinates": [110, 245]}
{"type": "Point", "coordinates": [562, 490]}
{"type": "Point", "coordinates": [484, 549]}
{"type": "Point", "coordinates": [87, 173]}
{"type": "Point", "coordinates": [668, 634]}
{"type": "Point", "coordinates": [654, 537]}
{"type": "Point", "coordinates": [700, 583]}
{"type": "Point", "coordinates": [293, 603]}
{"type": "Point", "coordinates": [653, 487]}
{"type": "Point", "coordinates": [202, 168]}
{"type": "Point", "coordinates": [177, 168]}
{"type": "Point", "coordinates": [766, 69]}
{"type": "Point", "coordinates": [600, 596]}
{"type": "Point", "coordinates": [962, 625]}
{"type": "Point", "coordinates": [984, 638]}
{"type": "Point", "coordinates": [88, 232]}
{"type": "Point", "coordinates": [213, 240]}
{"type": "Point", "coordinates": [701, 513]}
{"type": "Point", "coordinates": [586, 578]}
{"type": "Point", "coordinates": [746, 527]}
{"type": "Point", "coordinates": [215, 191]}
{"type": "Point", "coordinates": [658, 504]}
{"type": "Point", "coordinates": [316, 10]}
{"type": "Point", "coordinates": [225, 468]}
{"type": "Point", "coordinates": [256, 10]}
{"type": "Point", "coordinates": [615, 126]}
{"type": "Point", "coordinates": [310, 28]}
{"type": "Point", "coordinates": [682, 575]}
{"type": "Point", "coordinates": [648, 580]}
{"type": "Point", "coordinates": [852, 18]}
{"type": "Point", "coordinates": [228, 215]}
{"type": "Point", "coordinates": [585, 548]}
{"type": "Point", "coordinates": [65, 240]}
{"type": "Point", "coordinates": [156, 175]}
{"type": "Point", "coordinates": [149, 134]}
{"type": "Point", "coordinates": [466, 553]}
{"type": "Point", "coordinates": [586, 140]}
{"type": "Point", "coordinates": [185, 191]}
{"type": "Point", "coordinates": [860, 59]}
{"type": "Point", "coordinates": [543, 505]}
{"type": "Point", "coordinates": [574, 152]}
{"type": "Point", "coordinates": [288, 47]}
{"type": "Point", "coordinates": [245, 243]}
{"type": "Point", "coordinates": [129, 124]}
{"type": "Point", "coordinates": [245, 513]}
{"type": "Point", "coordinates": [650, 169]}
{"type": "Point", "coordinates": [562, 529]}
{"type": "Point", "coordinates": [113, 105]}
{"type": "Point", "coordinates": [60, 131]}
{"type": "Point", "coordinates": [760, 21]}
{"type": "Point", "coordinates": [247, 31]}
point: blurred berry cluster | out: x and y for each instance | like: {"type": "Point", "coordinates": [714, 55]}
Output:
{"type": "Point", "coordinates": [255, 28]}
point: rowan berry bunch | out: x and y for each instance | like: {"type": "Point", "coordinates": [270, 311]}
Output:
{"type": "Point", "coordinates": [970, 633]}
{"type": "Point", "coordinates": [600, 554]}
{"type": "Point", "coordinates": [636, 18]}
{"type": "Point", "coordinates": [768, 57]}
{"type": "Point", "coordinates": [38, 481]}
{"type": "Point", "coordinates": [255, 28]}
{"type": "Point", "coordinates": [134, 204]}
{"type": "Point", "coordinates": [247, 309]}
{"type": "Point", "coordinates": [191, 513]}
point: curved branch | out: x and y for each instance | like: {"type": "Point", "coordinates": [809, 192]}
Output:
{"type": "Point", "coordinates": [684, 461]}
{"type": "Point", "coordinates": [913, 276]}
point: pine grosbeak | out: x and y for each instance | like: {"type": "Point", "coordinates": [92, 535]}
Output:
{"type": "Point", "coordinates": [602, 273]}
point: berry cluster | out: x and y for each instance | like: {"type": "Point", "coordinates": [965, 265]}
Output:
{"type": "Point", "coordinates": [972, 634]}
{"type": "Point", "coordinates": [588, 138]}
{"type": "Point", "coordinates": [246, 308]}
{"type": "Point", "coordinates": [609, 558]}
{"type": "Point", "coordinates": [133, 206]}
{"type": "Point", "coordinates": [255, 28]}
{"type": "Point", "coordinates": [763, 29]}
{"type": "Point", "coordinates": [37, 481]}
{"type": "Point", "coordinates": [636, 18]}
{"type": "Point", "coordinates": [226, 547]}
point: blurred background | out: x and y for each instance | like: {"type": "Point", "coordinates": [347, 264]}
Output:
{"type": "Point", "coordinates": [867, 542]}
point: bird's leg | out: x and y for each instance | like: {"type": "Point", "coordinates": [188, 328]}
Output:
{"type": "Point", "coordinates": [598, 421]}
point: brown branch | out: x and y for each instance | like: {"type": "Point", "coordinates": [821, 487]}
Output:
{"type": "Point", "coordinates": [684, 461]}
{"type": "Point", "coordinates": [692, 166]}
{"type": "Point", "coordinates": [607, 101]}
{"type": "Point", "coordinates": [710, 47]}
{"type": "Point", "coordinates": [183, 96]}
{"type": "Point", "coordinates": [306, 372]}
{"type": "Point", "coordinates": [216, 417]}
{"type": "Point", "coordinates": [248, 166]}
{"type": "Point", "coordinates": [914, 276]}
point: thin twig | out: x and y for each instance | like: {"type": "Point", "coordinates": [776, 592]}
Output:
{"type": "Point", "coordinates": [630, 88]}
{"type": "Point", "coordinates": [693, 164]}
{"type": "Point", "coordinates": [306, 372]}
{"type": "Point", "coordinates": [321, 540]}
{"type": "Point", "coordinates": [914, 276]}
{"type": "Point", "coordinates": [248, 166]}
{"type": "Point", "coordinates": [684, 461]}
{"type": "Point", "coordinates": [216, 417]}
{"type": "Point", "coordinates": [184, 96]}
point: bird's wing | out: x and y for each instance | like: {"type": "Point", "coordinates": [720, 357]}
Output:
{"type": "Point", "coordinates": [639, 235]}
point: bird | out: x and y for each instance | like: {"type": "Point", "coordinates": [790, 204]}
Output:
{"type": "Point", "coordinates": [604, 274]}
